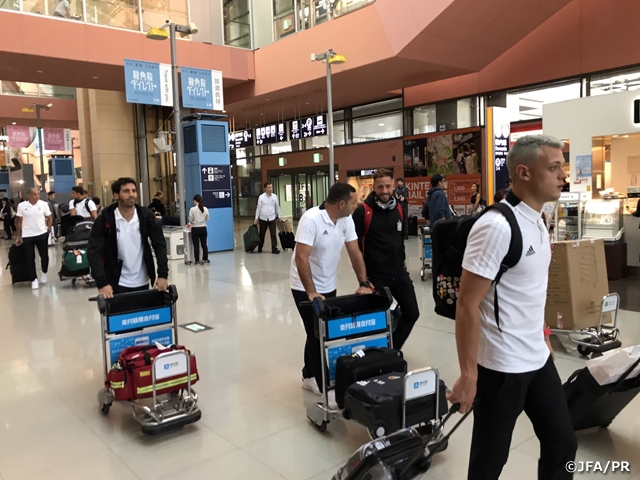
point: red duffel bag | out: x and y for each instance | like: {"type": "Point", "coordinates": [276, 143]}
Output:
{"type": "Point", "coordinates": [131, 377]}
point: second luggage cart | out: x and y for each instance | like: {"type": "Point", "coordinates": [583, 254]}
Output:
{"type": "Point", "coordinates": [347, 324]}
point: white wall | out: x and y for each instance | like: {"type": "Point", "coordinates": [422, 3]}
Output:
{"type": "Point", "coordinates": [207, 16]}
{"type": "Point", "coordinates": [581, 119]}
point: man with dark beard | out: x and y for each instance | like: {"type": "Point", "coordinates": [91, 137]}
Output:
{"type": "Point", "coordinates": [379, 227]}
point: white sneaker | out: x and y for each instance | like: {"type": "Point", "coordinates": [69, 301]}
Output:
{"type": "Point", "coordinates": [43, 278]}
{"type": "Point", "coordinates": [311, 385]}
{"type": "Point", "coordinates": [332, 400]}
{"type": "Point", "coordinates": [35, 285]}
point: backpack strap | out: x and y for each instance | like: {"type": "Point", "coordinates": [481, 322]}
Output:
{"type": "Point", "coordinates": [515, 246]}
{"type": "Point", "coordinates": [368, 213]}
{"type": "Point", "coordinates": [399, 207]}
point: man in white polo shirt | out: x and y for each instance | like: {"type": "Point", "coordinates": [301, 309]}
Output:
{"type": "Point", "coordinates": [32, 231]}
{"type": "Point", "coordinates": [322, 231]}
{"type": "Point", "coordinates": [119, 250]}
{"type": "Point", "coordinates": [81, 204]}
{"type": "Point", "coordinates": [508, 367]}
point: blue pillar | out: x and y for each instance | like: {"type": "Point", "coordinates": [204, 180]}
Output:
{"type": "Point", "coordinates": [207, 166]}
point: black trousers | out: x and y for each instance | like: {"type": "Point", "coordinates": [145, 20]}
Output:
{"type": "Point", "coordinates": [404, 293]}
{"type": "Point", "coordinates": [118, 289]}
{"type": "Point", "coordinates": [500, 399]}
{"type": "Point", "coordinates": [272, 230]}
{"type": "Point", "coordinates": [405, 221]}
{"type": "Point", "coordinates": [312, 360]}
{"type": "Point", "coordinates": [199, 238]}
{"type": "Point", "coordinates": [41, 243]}
{"type": "Point", "coordinates": [8, 228]}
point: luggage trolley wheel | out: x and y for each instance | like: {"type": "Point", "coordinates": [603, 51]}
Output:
{"type": "Point", "coordinates": [105, 399]}
{"type": "Point", "coordinates": [377, 432]}
{"type": "Point", "coordinates": [322, 427]}
{"type": "Point", "coordinates": [584, 350]}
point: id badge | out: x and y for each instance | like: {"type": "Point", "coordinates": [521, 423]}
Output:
{"type": "Point", "coordinates": [399, 225]}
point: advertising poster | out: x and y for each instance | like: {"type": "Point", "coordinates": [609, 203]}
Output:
{"type": "Point", "coordinates": [452, 154]}
{"type": "Point", "coordinates": [583, 169]}
{"type": "Point", "coordinates": [458, 191]}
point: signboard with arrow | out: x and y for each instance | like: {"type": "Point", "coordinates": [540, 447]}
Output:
{"type": "Point", "coordinates": [216, 186]}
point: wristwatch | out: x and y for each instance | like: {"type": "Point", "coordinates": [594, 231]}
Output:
{"type": "Point", "coordinates": [366, 284]}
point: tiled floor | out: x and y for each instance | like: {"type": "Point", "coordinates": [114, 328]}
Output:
{"type": "Point", "coordinates": [253, 423]}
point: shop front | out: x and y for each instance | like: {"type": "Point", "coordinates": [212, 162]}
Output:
{"type": "Point", "coordinates": [604, 132]}
{"type": "Point", "coordinates": [301, 179]}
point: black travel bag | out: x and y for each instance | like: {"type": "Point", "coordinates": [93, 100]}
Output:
{"type": "Point", "coordinates": [594, 405]}
{"type": "Point", "coordinates": [18, 264]}
{"type": "Point", "coordinates": [376, 403]}
{"type": "Point", "coordinates": [366, 364]}
{"type": "Point", "coordinates": [402, 455]}
{"type": "Point", "coordinates": [251, 239]}
{"type": "Point", "coordinates": [287, 240]}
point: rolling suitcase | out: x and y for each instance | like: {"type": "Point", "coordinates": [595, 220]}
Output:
{"type": "Point", "coordinates": [251, 239]}
{"type": "Point", "coordinates": [18, 264]}
{"type": "Point", "coordinates": [75, 263]}
{"type": "Point", "coordinates": [363, 365]}
{"type": "Point", "coordinates": [376, 403]}
{"type": "Point", "coordinates": [412, 228]}
{"type": "Point", "coordinates": [189, 255]}
{"type": "Point", "coordinates": [594, 405]}
{"type": "Point", "coordinates": [287, 240]}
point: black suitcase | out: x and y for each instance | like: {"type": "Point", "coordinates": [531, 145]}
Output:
{"type": "Point", "coordinates": [413, 226]}
{"type": "Point", "coordinates": [594, 405]}
{"type": "Point", "coordinates": [18, 264]}
{"type": "Point", "coordinates": [287, 240]}
{"type": "Point", "coordinates": [376, 361]}
{"type": "Point", "coordinates": [376, 403]}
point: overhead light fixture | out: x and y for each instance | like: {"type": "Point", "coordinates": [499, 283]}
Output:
{"type": "Point", "coordinates": [94, 77]}
{"type": "Point", "coordinates": [267, 99]}
{"type": "Point", "coordinates": [381, 124]}
{"type": "Point", "coordinates": [13, 123]}
{"type": "Point", "coordinates": [625, 136]}
{"type": "Point", "coordinates": [39, 71]}
{"type": "Point", "coordinates": [155, 33]}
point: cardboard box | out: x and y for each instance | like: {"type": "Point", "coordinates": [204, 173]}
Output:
{"type": "Point", "coordinates": [577, 283]}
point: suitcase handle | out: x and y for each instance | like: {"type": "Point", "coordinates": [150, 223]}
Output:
{"type": "Point", "coordinates": [625, 375]}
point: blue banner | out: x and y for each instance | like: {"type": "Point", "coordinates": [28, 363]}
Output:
{"type": "Point", "coordinates": [118, 344]}
{"type": "Point", "coordinates": [334, 352]}
{"type": "Point", "coordinates": [197, 88]}
{"type": "Point", "coordinates": [137, 320]}
{"type": "Point", "coordinates": [366, 323]}
{"type": "Point", "coordinates": [148, 83]}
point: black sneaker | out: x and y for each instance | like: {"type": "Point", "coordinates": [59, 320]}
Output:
{"type": "Point", "coordinates": [275, 250]}
{"type": "Point", "coordinates": [259, 250]}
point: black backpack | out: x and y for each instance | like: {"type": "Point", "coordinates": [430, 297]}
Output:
{"type": "Point", "coordinates": [449, 240]}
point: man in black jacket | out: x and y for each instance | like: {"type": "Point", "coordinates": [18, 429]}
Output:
{"type": "Point", "coordinates": [119, 252]}
{"type": "Point", "coordinates": [382, 245]}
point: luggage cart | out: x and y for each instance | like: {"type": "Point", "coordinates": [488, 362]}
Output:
{"type": "Point", "coordinates": [427, 252]}
{"type": "Point", "coordinates": [350, 323]}
{"type": "Point", "coordinates": [601, 338]}
{"type": "Point", "coordinates": [154, 315]}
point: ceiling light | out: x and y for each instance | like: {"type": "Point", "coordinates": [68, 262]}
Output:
{"type": "Point", "coordinates": [307, 103]}
{"type": "Point", "coordinates": [94, 77]}
{"type": "Point", "coordinates": [381, 124]}
{"type": "Point", "coordinates": [13, 123]}
{"type": "Point", "coordinates": [625, 136]}
{"type": "Point", "coordinates": [616, 136]}
{"type": "Point", "coordinates": [39, 71]}
{"type": "Point", "coordinates": [267, 99]}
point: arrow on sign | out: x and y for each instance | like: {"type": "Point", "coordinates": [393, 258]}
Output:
{"type": "Point", "coordinates": [227, 194]}
{"type": "Point", "coordinates": [204, 170]}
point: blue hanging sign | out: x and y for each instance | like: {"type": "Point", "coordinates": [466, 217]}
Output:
{"type": "Point", "coordinates": [148, 83]}
{"type": "Point", "coordinates": [137, 320]}
{"type": "Point", "coordinates": [360, 324]}
{"type": "Point", "coordinates": [197, 88]}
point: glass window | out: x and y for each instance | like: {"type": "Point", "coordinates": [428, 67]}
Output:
{"type": "Point", "coordinates": [377, 128]}
{"type": "Point", "coordinates": [527, 104]}
{"type": "Point", "coordinates": [116, 13]}
{"type": "Point", "coordinates": [342, 7]}
{"type": "Point", "coordinates": [237, 23]}
{"type": "Point", "coordinates": [424, 119]}
{"type": "Point", "coordinates": [615, 83]}
{"type": "Point", "coordinates": [284, 18]}
{"type": "Point", "coordinates": [378, 107]}
{"type": "Point", "coordinates": [10, 5]}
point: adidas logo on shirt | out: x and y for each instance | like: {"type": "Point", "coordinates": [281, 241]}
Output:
{"type": "Point", "coordinates": [326, 233]}
{"type": "Point", "coordinates": [531, 251]}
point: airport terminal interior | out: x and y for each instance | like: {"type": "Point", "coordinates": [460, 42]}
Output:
{"type": "Point", "coordinates": [220, 98]}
